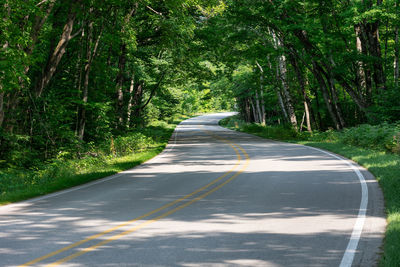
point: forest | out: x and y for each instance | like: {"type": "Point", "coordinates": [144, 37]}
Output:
{"type": "Point", "coordinates": [79, 72]}
{"type": "Point", "coordinates": [74, 73]}
{"type": "Point", "coordinates": [90, 81]}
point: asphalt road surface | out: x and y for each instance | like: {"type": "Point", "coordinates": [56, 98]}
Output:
{"type": "Point", "coordinates": [214, 197]}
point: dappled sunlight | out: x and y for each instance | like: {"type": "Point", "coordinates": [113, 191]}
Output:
{"type": "Point", "coordinates": [199, 204]}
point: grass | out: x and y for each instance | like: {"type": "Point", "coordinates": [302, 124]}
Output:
{"type": "Point", "coordinates": [113, 156]}
{"type": "Point", "coordinates": [377, 158]}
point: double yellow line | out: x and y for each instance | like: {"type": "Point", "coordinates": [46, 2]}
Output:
{"type": "Point", "coordinates": [235, 147]}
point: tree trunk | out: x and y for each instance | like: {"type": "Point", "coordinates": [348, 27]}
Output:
{"type": "Point", "coordinates": [302, 83]}
{"type": "Point", "coordinates": [302, 122]}
{"type": "Point", "coordinates": [253, 108]}
{"type": "Point", "coordinates": [307, 113]}
{"type": "Point", "coordinates": [335, 102]}
{"type": "Point", "coordinates": [137, 100]}
{"type": "Point", "coordinates": [90, 54]}
{"type": "Point", "coordinates": [12, 103]}
{"type": "Point", "coordinates": [315, 53]}
{"type": "Point", "coordinates": [38, 24]}
{"type": "Point", "coordinates": [360, 73]}
{"type": "Point", "coordinates": [370, 31]}
{"type": "Point", "coordinates": [325, 95]}
{"type": "Point", "coordinates": [3, 47]}
{"type": "Point", "coordinates": [262, 119]}
{"type": "Point", "coordinates": [120, 84]}
{"type": "Point", "coordinates": [78, 81]}
{"type": "Point", "coordinates": [286, 93]}
{"type": "Point", "coordinates": [318, 120]}
{"type": "Point", "coordinates": [121, 66]}
{"type": "Point", "coordinates": [130, 103]}
{"type": "Point", "coordinates": [1, 106]}
{"type": "Point", "coordinates": [396, 58]}
{"type": "Point", "coordinates": [277, 90]}
{"type": "Point", "coordinates": [55, 57]}
{"type": "Point", "coordinates": [285, 86]}
{"type": "Point", "coordinates": [332, 91]}
{"type": "Point", "coordinates": [258, 106]}
{"type": "Point", "coordinates": [280, 99]}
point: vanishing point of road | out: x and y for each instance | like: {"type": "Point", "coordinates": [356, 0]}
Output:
{"type": "Point", "coordinates": [214, 197]}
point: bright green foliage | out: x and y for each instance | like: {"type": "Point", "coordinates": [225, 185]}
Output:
{"type": "Point", "coordinates": [124, 65]}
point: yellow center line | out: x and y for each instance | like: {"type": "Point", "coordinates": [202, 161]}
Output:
{"type": "Point", "coordinates": [76, 244]}
{"type": "Point", "coordinates": [135, 228]}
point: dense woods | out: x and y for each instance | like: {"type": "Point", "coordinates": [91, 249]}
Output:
{"type": "Point", "coordinates": [79, 72]}
{"type": "Point", "coordinates": [313, 64]}
{"type": "Point", "coordinates": [82, 71]}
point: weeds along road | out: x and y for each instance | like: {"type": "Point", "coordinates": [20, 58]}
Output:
{"type": "Point", "coordinates": [214, 197]}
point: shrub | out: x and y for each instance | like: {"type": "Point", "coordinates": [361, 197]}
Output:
{"type": "Point", "coordinates": [382, 137]}
{"type": "Point", "coordinates": [134, 142]}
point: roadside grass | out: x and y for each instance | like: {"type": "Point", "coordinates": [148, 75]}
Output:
{"type": "Point", "coordinates": [384, 165]}
{"type": "Point", "coordinates": [108, 158]}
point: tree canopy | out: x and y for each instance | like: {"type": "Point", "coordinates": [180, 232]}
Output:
{"type": "Point", "coordinates": [80, 71]}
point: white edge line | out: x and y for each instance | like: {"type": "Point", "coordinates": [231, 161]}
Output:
{"type": "Point", "coordinates": [101, 180]}
{"type": "Point", "coordinates": [351, 249]}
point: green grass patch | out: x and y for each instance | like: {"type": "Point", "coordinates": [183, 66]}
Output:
{"type": "Point", "coordinates": [380, 156]}
{"type": "Point", "coordinates": [67, 170]}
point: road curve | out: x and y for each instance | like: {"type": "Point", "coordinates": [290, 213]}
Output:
{"type": "Point", "coordinates": [214, 197]}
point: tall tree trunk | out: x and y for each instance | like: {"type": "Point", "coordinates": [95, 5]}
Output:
{"type": "Point", "coordinates": [370, 30]}
{"type": "Point", "coordinates": [1, 106]}
{"type": "Point", "coordinates": [130, 103]}
{"type": "Point", "coordinates": [37, 27]}
{"type": "Point", "coordinates": [282, 105]}
{"type": "Point", "coordinates": [315, 53]}
{"type": "Point", "coordinates": [277, 90]}
{"type": "Point", "coordinates": [280, 99]}
{"type": "Point", "coordinates": [332, 91]}
{"type": "Point", "coordinates": [360, 73]}
{"type": "Point", "coordinates": [302, 83]}
{"type": "Point", "coordinates": [285, 86]}
{"type": "Point", "coordinates": [336, 102]}
{"type": "Point", "coordinates": [262, 119]}
{"type": "Point", "coordinates": [307, 113]}
{"type": "Point", "coordinates": [258, 106]}
{"type": "Point", "coordinates": [286, 92]}
{"type": "Point", "coordinates": [78, 80]}
{"type": "Point", "coordinates": [12, 103]}
{"type": "Point", "coordinates": [325, 94]}
{"type": "Point", "coordinates": [375, 51]}
{"type": "Point", "coordinates": [367, 66]}
{"type": "Point", "coordinates": [319, 118]}
{"type": "Point", "coordinates": [120, 84]}
{"type": "Point", "coordinates": [55, 57]}
{"type": "Point", "coordinates": [3, 47]}
{"type": "Point", "coordinates": [253, 108]}
{"type": "Point", "coordinates": [121, 67]}
{"type": "Point", "coordinates": [263, 114]}
{"type": "Point", "coordinates": [396, 58]}
{"type": "Point", "coordinates": [137, 100]}
{"type": "Point", "coordinates": [91, 52]}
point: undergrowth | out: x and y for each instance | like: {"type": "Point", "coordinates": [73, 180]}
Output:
{"type": "Point", "coordinates": [73, 167]}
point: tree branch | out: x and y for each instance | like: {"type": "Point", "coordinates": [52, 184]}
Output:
{"type": "Point", "coordinates": [158, 13]}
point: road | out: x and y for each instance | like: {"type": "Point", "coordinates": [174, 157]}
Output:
{"type": "Point", "coordinates": [214, 197]}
